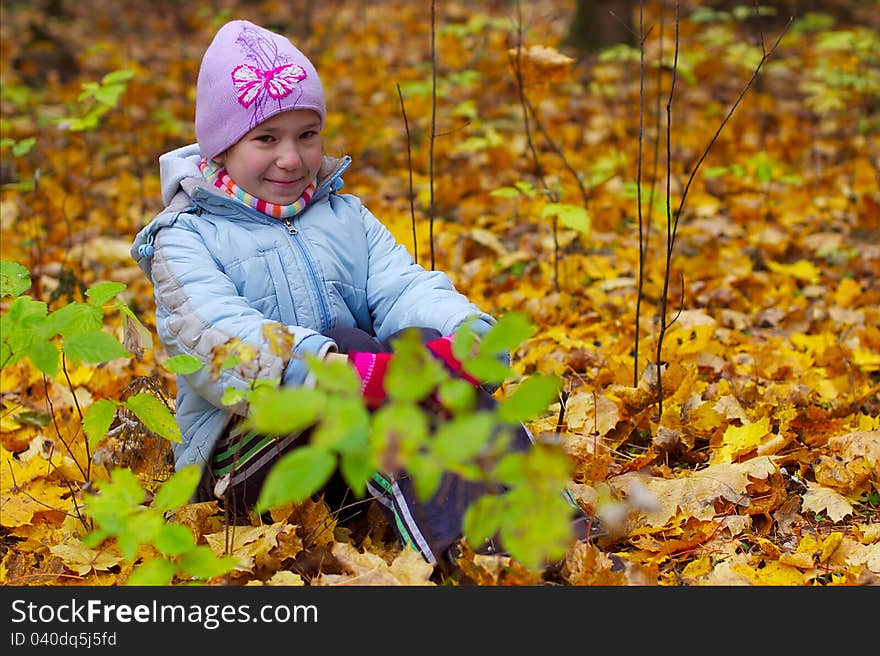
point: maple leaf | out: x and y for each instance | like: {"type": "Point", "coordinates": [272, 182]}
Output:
{"type": "Point", "coordinates": [694, 495]}
{"type": "Point", "coordinates": [540, 65]}
{"type": "Point", "coordinates": [597, 415]}
{"type": "Point", "coordinates": [200, 518]}
{"type": "Point", "coordinates": [585, 564]}
{"type": "Point", "coordinates": [81, 559]}
{"type": "Point", "coordinates": [282, 577]}
{"type": "Point", "coordinates": [771, 573]}
{"type": "Point", "coordinates": [739, 440]}
{"type": "Point", "coordinates": [494, 569]}
{"type": "Point", "coordinates": [257, 547]}
{"type": "Point", "coordinates": [821, 499]}
{"type": "Point", "coordinates": [800, 270]}
{"type": "Point", "coordinates": [407, 568]}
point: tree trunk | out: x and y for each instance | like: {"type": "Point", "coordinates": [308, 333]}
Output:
{"type": "Point", "coordinates": [597, 24]}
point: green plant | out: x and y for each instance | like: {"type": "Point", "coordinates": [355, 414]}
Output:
{"type": "Point", "coordinates": [98, 98]}
{"type": "Point", "coordinates": [530, 513]}
{"type": "Point", "coordinates": [75, 333]}
{"type": "Point", "coordinates": [120, 513]}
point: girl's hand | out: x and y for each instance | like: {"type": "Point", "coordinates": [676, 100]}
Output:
{"type": "Point", "coordinates": [441, 349]}
{"type": "Point", "coordinates": [371, 367]}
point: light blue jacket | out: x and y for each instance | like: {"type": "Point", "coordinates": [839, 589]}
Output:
{"type": "Point", "coordinates": [221, 270]}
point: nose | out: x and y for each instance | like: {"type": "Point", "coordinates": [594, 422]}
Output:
{"type": "Point", "coordinates": [288, 158]}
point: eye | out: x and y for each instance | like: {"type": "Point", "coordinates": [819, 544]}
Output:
{"type": "Point", "coordinates": [309, 134]}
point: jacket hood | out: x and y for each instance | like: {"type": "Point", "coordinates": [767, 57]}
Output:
{"type": "Point", "coordinates": [184, 189]}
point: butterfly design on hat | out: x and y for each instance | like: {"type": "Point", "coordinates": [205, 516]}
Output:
{"type": "Point", "coordinates": [273, 76]}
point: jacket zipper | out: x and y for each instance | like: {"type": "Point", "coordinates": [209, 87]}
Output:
{"type": "Point", "coordinates": [322, 306]}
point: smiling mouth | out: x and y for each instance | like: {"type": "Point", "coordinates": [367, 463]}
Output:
{"type": "Point", "coordinates": [284, 182]}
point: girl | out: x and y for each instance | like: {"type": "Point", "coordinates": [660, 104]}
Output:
{"type": "Point", "coordinates": [255, 231]}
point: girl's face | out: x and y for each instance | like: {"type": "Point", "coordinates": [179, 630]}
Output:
{"type": "Point", "coordinates": [278, 159]}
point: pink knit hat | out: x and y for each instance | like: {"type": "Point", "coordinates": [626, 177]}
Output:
{"type": "Point", "coordinates": [248, 75]}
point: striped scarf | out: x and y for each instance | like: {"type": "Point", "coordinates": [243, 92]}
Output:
{"type": "Point", "coordinates": [216, 175]}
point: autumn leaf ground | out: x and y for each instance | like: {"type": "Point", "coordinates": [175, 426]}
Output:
{"type": "Point", "coordinates": [763, 467]}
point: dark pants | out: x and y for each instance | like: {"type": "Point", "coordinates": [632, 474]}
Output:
{"type": "Point", "coordinates": [430, 526]}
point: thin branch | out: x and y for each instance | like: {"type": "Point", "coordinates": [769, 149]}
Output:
{"type": "Point", "coordinates": [433, 130]}
{"type": "Point", "coordinates": [58, 429]}
{"type": "Point", "coordinates": [516, 64]}
{"type": "Point", "coordinates": [727, 117]}
{"type": "Point", "coordinates": [563, 400]}
{"type": "Point", "coordinates": [412, 206]}
{"type": "Point", "coordinates": [79, 412]}
{"type": "Point", "coordinates": [642, 241]}
{"type": "Point", "coordinates": [585, 195]}
{"type": "Point", "coordinates": [664, 297]}
{"type": "Point", "coordinates": [672, 225]}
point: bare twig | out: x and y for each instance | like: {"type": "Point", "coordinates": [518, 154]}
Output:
{"type": "Point", "coordinates": [412, 207]}
{"type": "Point", "coordinates": [643, 245]}
{"type": "Point", "coordinates": [516, 64]}
{"type": "Point", "coordinates": [672, 223]}
{"type": "Point", "coordinates": [433, 130]}
{"type": "Point", "coordinates": [563, 400]}
{"type": "Point", "coordinates": [79, 412]}
{"type": "Point", "coordinates": [585, 195]}
{"type": "Point", "coordinates": [58, 430]}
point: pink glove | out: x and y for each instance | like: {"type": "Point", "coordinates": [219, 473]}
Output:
{"type": "Point", "coordinates": [441, 349]}
{"type": "Point", "coordinates": [371, 367]}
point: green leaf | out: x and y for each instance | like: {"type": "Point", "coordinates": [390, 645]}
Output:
{"type": "Point", "coordinates": [109, 95]}
{"type": "Point", "coordinates": [183, 364]}
{"type": "Point", "coordinates": [134, 332]}
{"type": "Point", "coordinates": [413, 372]}
{"type": "Point", "coordinates": [202, 563]}
{"type": "Point", "coordinates": [507, 333]}
{"type": "Point", "coordinates": [504, 192]}
{"type": "Point", "coordinates": [530, 399]}
{"type": "Point", "coordinates": [174, 539]}
{"type": "Point", "coordinates": [458, 395]}
{"type": "Point", "coordinates": [119, 495]}
{"type": "Point", "coordinates": [483, 519]}
{"type": "Point", "coordinates": [487, 369]}
{"type": "Point", "coordinates": [103, 292]}
{"type": "Point", "coordinates": [178, 489]}
{"type": "Point", "coordinates": [714, 171]}
{"type": "Point", "coordinates": [463, 438]}
{"type": "Point", "coordinates": [399, 429]}
{"type": "Point", "coordinates": [536, 529]}
{"type": "Point", "coordinates": [335, 376]}
{"type": "Point", "coordinates": [526, 188]}
{"type": "Point", "coordinates": [93, 347]}
{"type": "Point", "coordinates": [571, 216]}
{"type": "Point", "coordinates": [97, 420]}
{"type": "Point", "coordinates": [285, 410]}
{"type": "Point", "coordinates": [345, 428]}
{"type": "Point", "coordinates": [44, 354]}
{"type": "Point", "coordinates": [23, 334]}
{"type": "Point", "coordinates": [764, 171]}
{"type": "Point", "coordinates": [14, 278]}
{"type": "Point", "coordinates": [74, 319]}
{"type": "Point", "coordinates": [356, 466]}
{"type": "Point", "coordinates": [156, 571]}
{"type": "Point", "coordinates": [155, 415]}
{"type": "Point", "coordinates": [233, 396]}
{"type": "Point", "coordinates": [117, 76]}
{"type": "Point", "coordinates": [295, 477]}
{"type": "Point", "coordinates": [427, 475]}
{"type": "Point", "coordinates": [24, 146]}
